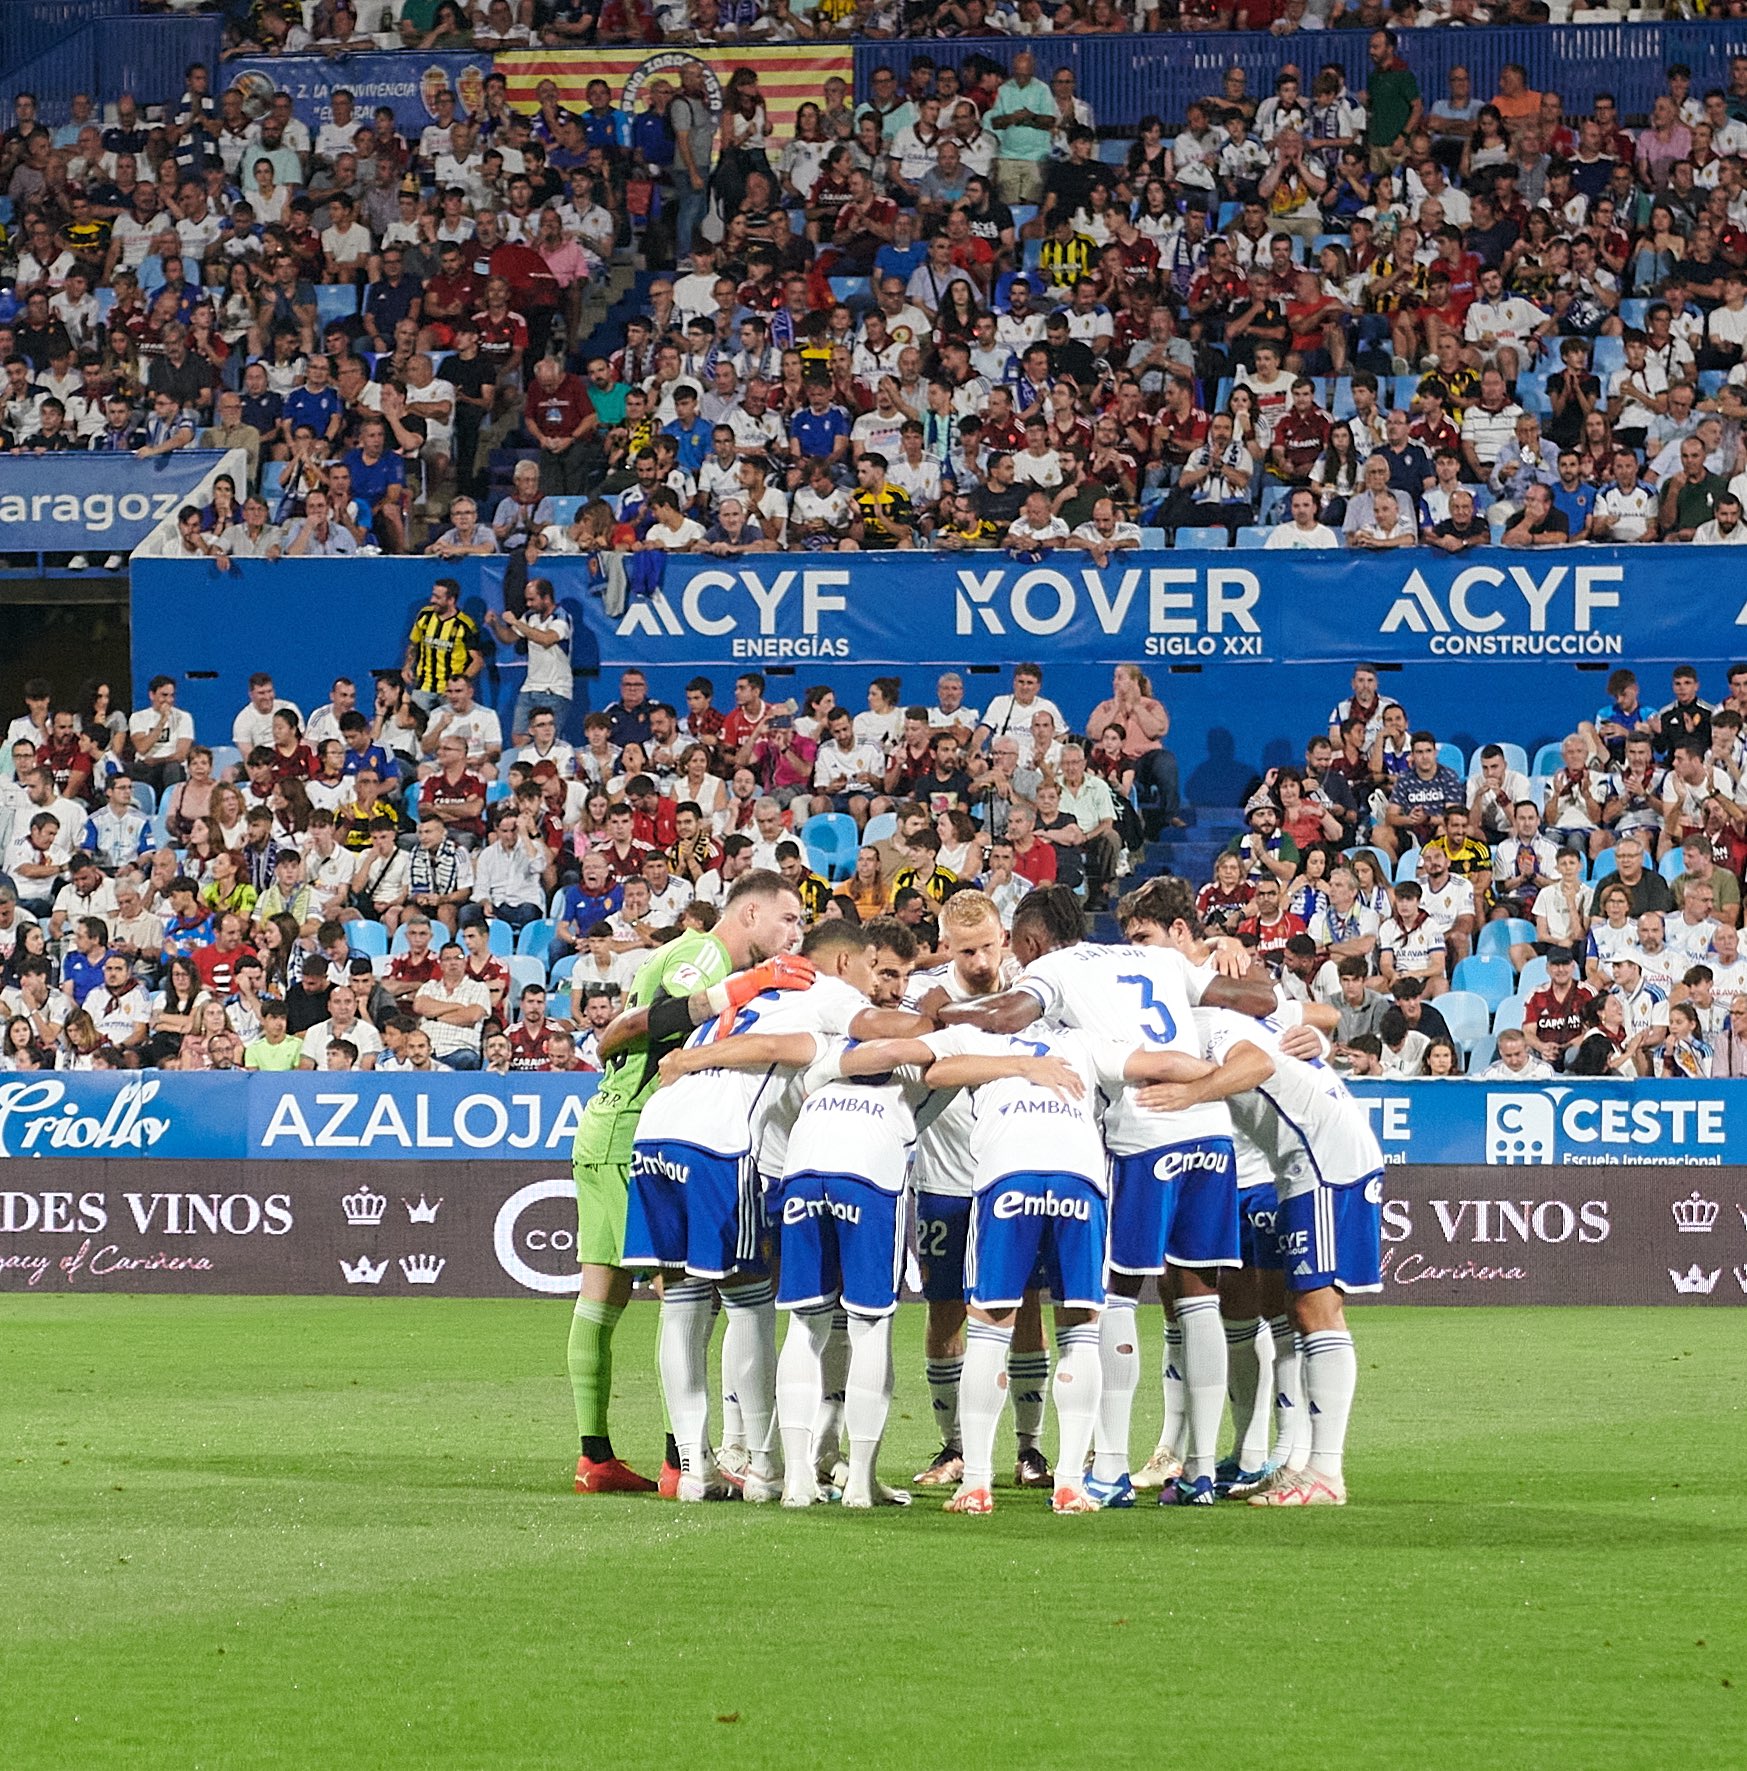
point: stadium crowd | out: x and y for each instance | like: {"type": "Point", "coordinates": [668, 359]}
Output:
{"type": "Point", "coordinates": [960, 313]}
{"type": "Point", "coordinates": [391, 880]}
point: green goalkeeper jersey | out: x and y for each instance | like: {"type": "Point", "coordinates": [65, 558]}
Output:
{"type": "Point", "coordinates": [692, 962]}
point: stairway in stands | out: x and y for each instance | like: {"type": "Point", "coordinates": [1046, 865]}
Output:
{"type": "Point", "coordinates": [1189, 853]}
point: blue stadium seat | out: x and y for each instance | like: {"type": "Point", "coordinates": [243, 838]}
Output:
{"type": "Point", "coordinates": [1497, 938]}
{"type": "Point", "coordinates": [1509, 1014]}
{"type": "Point", "coordinates": [1608, 355]}
{"type": "Point", "coordinates": [496, 791]}
{"type": "Point", "coordinates": [1515, 757]}
{"type": "Point", "coordinates": [1402, 389]}
{"type": "Point", "coordinates": [832, 841]}
{"type": "Point", "coordinates": [1672, 865]}
{"type": "Point", "coordinates": [1465, 1014]}
{"type": "Point", "coordinates": [1253, 536]}
{"type": "Point", "coordinates": [161, 830]}
{"type": "Point", "coordinates": [397, 946]}
{"type": "Point", "coordinates": [1203, 536]}
{"type": "Point", "coordinates": [272, 483]}
{"type": "Point", "coordinates": [1634, 311]}
{"type": "Point", "coordinates": [1548, 760]}
{"type": "Point", "coordinates": [225, 756]}
{"type": "Point", "coordinates": [145, 797]}
{"type": "Point", "coordinates": [524, 970]}
{"type": "Point", "coordinates": [1450, 755]}
{"type": "Point", "coordinates": [880, 828]}
{"type": "Point", "coordinates": [335, 301]}
{"type": "Point", "coordinates": [1228, 213]}
{"type": "Point", "coordinates": [1408, 866]}
{"type": "Point", "coordinates": [1483, 975]}
{"type": "Point", "coordinates": [502, 937]}
{"type": "Point", "coordinates": [1481, 1053]}
{"type": "Point", "coordinates": [851, 289]}
{"type": "Point", "coordinates": [565, 507]}
{"type": "Point", "coordinates": [1604, 866]}
{"type": "Point", "coordinates": [536, 937]}
{"type": "Point", "coordinates": [1274, 496]}
{"type": "Point", "coordinates": [1534, 976]}
{"type": "Point", "coordinates": [369, 938]}
{"type": "Point", "coordinates": [1022, 213]}
{"type": "Point", "coordinates": [1155, 539]}
{"type": "Point", "coordinates": [561, 972]}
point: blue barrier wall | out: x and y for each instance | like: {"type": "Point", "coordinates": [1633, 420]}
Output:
{"type": "Point", "coordinates": [445, 1117]}
{"type": "Point", "coordinates": [1437, 626]}
{"type": "Point", "coordinates": [1124, 77]}
{"type": "Point", "coordinates": [147, 56]}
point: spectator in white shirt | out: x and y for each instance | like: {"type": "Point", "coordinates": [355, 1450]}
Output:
{"type": "Point", "coordinates": [252, 729]}
{"type": "Point", "coordinates": [1302, 529]}
{"type": "Point", "coordinates": [1625, 511]}
{"type": "Point", "coordinates": [452, 1010]}
{"type": "Point", "coordinates": [509, 875]}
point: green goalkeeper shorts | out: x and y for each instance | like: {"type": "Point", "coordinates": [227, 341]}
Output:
{"type": "Point", "coordinates": [602, 1192]}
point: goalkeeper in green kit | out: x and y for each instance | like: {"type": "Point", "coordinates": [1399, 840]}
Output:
{"type": "Point", "coordinates": [692, 979]}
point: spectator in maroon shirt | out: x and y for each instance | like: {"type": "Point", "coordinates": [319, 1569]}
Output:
{"type": "Point", "coordinates": [1553, 1018]}
{"type": "Point", "coordinates": [454, 794]}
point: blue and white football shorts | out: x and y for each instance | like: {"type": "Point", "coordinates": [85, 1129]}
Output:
{"type": "Point", "coordinates": [1334, 1236]}
{"type": "Point", "coordinates": [1175, 1206]}
{"type": "Point", "coordinates": [1258, 1209]}
{"type": "Point", "coordinates": [841, 1237]}
{"type": "Point", "coordinates": [694, 1209]}
{"type": "Point", "coordinates": [943, 1222]}
{"type": "Point", "coordinates": [1057, 1221]}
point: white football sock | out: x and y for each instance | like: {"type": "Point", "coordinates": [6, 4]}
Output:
{"type": "Point", "coordinates": [1079, 1381]}
{"type": "Point", "coordinates": [1331, 1374]}
{"type": "Point", "coordinates": [1119, 1358]}
{"type": "Point", "coordinates": [799, 1383]}
{"type": "Point", "coordinates": [1029, 1373]}
{"type": "Point", "coordinates": [749, 1354]}
{"type": "Point", "coordinates": [1249, 1424]}
{"type": "Point", "coordinates": [682, 1356]}
{"type": "Point", "coordinates": [828, 1429]}
{"type": "Point", "coordinates": [733, 1428]}
{"type": "Point", "coordinates": [1171, 1376]}
{"type": "Point", "coordinates": [1291, 1428]}
{"type": "Point", "coordinates": [982, 1394]}
{"type": "Point", "coordinates": [867, 1399]}
{"type": "Point", "coordinates": [944, 1376]}
{"type": "Point", "coordinates": [1204, 1366]}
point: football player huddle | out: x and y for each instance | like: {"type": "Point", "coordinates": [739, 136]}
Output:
{"type": "Point", "coordinates": [786, 1130]}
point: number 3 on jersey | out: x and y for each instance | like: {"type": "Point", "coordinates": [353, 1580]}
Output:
{"type": "Point", "coordinates": [1156, 1022]}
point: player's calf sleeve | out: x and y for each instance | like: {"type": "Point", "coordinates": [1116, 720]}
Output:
{"type": "Point", "coordinates": [944, 1376]}
{"type": "Point", "coordinates": [682, 1357]}
{"type": "Point", "coordinates": [1331, 1374]}
{"type": "Point", "coordinates": [1291, 1428]}
{"type": "Point", "coordinates": [981, 1396]}
{"type": "Point", "coordinates": [827, 1430]}
{"type": "Point", "coordinates": [1204, 1368]}
{"type": "Point", "coordinates": [1119, 1361]}
{"type": "Point", "coordinates": [1171, 1378]}
{"type": "Point", "coordinates": [1243, 1380]}
{"type": "Point", "coordinates": [1079, 1382]}
{"type": "Point", "coordinates": [867, 1394]}
{"type": "Point", "coordinates": [799, 1384]}
{"type": "Point", "coordinates": [590, 1358]}
{"type": "Point", "coordinates": [749, 1351]}
{"type": "Point", "coordinates": [1028, 1374]}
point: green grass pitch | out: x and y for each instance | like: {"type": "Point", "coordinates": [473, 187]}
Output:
{"type": "Point", "coordinates": [335, 1533]}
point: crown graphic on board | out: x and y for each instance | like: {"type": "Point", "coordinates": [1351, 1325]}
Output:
{"type": "Point", "coordinates": [1695, 1281]}
{"type": "Point", "coordinates": [364, 1206]}
{"type": "Point", "coordinates": [364, 1271]}
{"type": "Point", "coordinates": [425, 1212]}
{"type": "Point", "coordinates": [425, 1269]}
{"type": "Point", "coordinates": [1695, 1215]}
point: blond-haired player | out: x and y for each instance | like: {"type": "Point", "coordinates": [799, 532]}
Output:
{"type": "Point", "coordinates": [978, 964]}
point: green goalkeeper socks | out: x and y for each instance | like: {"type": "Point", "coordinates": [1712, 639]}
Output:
{"type": "Point", "coordinates": [591, 1364]}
